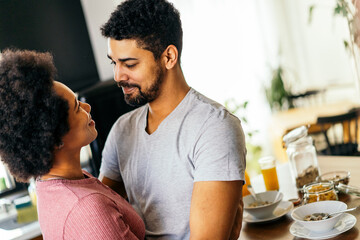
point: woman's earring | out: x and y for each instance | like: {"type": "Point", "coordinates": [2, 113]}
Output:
{"type": "Point", "coordinates": [60, 146]}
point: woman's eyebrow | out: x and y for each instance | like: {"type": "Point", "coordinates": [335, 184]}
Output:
{"type": "Point", "coordinates": [76, 103]}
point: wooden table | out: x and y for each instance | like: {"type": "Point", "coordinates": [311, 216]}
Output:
{"type": "Point", "coordinates": [279, 229]}
{"type": "Point", "coordinates": [284, 121]}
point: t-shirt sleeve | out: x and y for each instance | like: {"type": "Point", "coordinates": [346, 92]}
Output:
{"type": "Point", "coordinates": [110, 163]}
{"type": "Point", "coordinates": [96, 217]}
{"type": "Point", "coordinates": [220, 151]}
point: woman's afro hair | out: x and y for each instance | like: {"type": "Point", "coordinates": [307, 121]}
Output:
{"type": "Point", "coordinates": [33, 119]}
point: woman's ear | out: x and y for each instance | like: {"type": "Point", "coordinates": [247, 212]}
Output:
{"type": "Point", "coordinates": [60, 146]}
{"type": "Point", "coordinates": [170, 56]}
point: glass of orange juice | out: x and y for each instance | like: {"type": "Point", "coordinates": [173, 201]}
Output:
{"type": "Point", "coordinates": [268, 170]}
{"type": "Point", "coordinates": [245, 190]}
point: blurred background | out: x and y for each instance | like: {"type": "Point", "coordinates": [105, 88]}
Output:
{"type": "Point", "coordinates": [276, 64]}
{"type": "Point", "coordinates": [234, 50]}
{"type": "Point", "coordinates": [258, 57]}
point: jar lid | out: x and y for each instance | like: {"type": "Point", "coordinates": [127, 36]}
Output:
{"type": "Point", "coordinates": [318, 187]}
{"type": "Point", "coordinates": [295, 134]}
{"type": "Point", "coordinates": [348, 189]}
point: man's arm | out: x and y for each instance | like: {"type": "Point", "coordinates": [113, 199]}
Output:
{"type": "Point", "coordinates": [215, 209]}
{"type": "Point", "coordinates": [236, 229]}
{"type": "Point", "coordinates": [114, 185]}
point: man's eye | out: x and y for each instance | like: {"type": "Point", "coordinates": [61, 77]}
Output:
{"type": "Point", "coordinates": [130, 65]}
{"type": "Point", "coordinates": [112, 63]}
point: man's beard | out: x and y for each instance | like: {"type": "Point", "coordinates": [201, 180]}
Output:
{"type": "Point", "coordinates": [145, 96]}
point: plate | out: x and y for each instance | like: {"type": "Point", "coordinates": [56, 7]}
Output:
{"type": "Point", "coordinates": [344, 224]}
{"type": "Point", "coordinates": [283, 208]}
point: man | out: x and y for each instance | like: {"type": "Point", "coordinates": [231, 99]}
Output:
{"type": "Point", "coordinates": [180, 158]}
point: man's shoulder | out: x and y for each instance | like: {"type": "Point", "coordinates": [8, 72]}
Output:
{"type": "Point", "coordinates": [208, 108]}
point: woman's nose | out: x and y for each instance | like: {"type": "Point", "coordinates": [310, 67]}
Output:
{"type": "Point", "coordinates": [87, 107]}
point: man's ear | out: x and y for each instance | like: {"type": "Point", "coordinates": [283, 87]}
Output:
{"type": "Point", "coordinates": [170, 56]}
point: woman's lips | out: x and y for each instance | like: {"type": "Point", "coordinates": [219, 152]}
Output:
{"type": "Point", "coordinates": [91, 122]}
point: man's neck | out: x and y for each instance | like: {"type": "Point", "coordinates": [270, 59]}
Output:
{"type": "Point", "coordinates": [173, 91]}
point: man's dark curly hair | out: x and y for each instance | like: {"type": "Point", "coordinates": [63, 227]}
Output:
{"type": "Point", "coordinates": [154, 24]}
{"type": "Point", "coordinates": [33, 118]}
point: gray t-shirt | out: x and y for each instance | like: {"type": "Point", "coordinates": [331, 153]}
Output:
{"type": "Point", "coordinates": [198, 141]}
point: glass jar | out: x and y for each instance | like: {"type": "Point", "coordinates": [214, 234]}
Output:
{"type": "Point", "coordinates": [352, 190]}
{"type": "Point", "coordinates": [322, 191]}
{"type": "Point", "coordinates": [302, 157]}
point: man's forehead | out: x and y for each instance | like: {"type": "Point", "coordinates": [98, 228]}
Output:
{"type": "Point", "coordinates": [125, 48]}
{"type": "Point", "coordinates": [124, 44]}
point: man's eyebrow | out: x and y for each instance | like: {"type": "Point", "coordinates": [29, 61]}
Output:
{"type": "Point", "coordinates": [126, 59]}
{"type": "Point", "coordinates": [123, 59]}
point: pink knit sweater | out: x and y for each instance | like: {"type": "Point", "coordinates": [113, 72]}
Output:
{"type": "Point", "coordinates": [85, 209]}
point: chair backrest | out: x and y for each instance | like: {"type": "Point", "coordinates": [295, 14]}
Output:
{"type": "Point", "coordinates": [341, 133]}
{"type": "Point", "coordinates": [107, 105]}
{"type": "Point", "coordinates": [307, 98]}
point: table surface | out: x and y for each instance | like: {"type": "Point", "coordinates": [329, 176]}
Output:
{"type": "Point", "coordinates": [279, 229]}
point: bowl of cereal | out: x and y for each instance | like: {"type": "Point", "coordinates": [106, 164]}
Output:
{"type": "Point", "coordinates": [305, 215]}
{"type": "Point", "coordinates": [336, 177]}
{"type": "Point", "coordinates": [265, 206]}
{"type": "Point", "coordinates": [319, 191]}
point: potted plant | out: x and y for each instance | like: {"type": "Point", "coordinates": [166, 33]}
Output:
{"type": "Point", "coordinates": [277, 95]}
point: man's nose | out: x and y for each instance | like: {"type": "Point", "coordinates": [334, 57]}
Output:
{"type": "Point", "coordinates": [120, 74]}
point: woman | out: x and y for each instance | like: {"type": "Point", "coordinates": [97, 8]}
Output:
{"type": "Point", "coordinates": [42, 129]}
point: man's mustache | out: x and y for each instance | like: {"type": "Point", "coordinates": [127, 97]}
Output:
{"type": "Point", "coordinates": [126, 84]}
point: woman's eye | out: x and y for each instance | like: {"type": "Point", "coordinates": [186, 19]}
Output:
{"type": "Point", "coordinates": [78, 107]}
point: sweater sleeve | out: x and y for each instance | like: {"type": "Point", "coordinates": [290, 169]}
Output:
{"type": "Point", "coordinates": [96, 217]}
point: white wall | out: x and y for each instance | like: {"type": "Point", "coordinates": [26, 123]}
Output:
{"type": "Point", "coordinates": [96, 14]}
{"type": "Point", "coordinates": [315, 51]}
{"type": "Point", "coordinates": [224, 55]}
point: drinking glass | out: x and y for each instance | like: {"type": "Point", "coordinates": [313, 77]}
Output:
{"type": "Point", "coordinates": [268, 170]}
{"type": "Point", "coordinates": [245, 190]}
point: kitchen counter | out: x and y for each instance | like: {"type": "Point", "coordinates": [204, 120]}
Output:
{"type": "Point", "coordinates": [11, 230]}
{"type": "Point", "coordinates": [28, 231]}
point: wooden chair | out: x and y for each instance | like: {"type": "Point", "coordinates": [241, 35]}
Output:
{"type": "Point", "coordinates": [307, 98]}
{"type": "Point", "coordinates": [341, 133]}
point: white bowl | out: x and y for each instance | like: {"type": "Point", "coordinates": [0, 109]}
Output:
{"type": "Point", "coordinates": [299, 214]}
{"type": "Point", "coordinates": [260, 212]}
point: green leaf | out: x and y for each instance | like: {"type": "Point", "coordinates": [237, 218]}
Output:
{"type": "Point", "coordinates": [311, 11]}
{"type": "Point", "coordinates": [243, 119]}
{"type": "Point", "coordinates": [341, 8]}
{"type": "Point", "coordinates": [245, 104]}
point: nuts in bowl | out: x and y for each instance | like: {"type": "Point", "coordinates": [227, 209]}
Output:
{"type": "Point", "coordinates": [301, 214]}
{"type": "Point", "coordinates": [336, 177]}
{"type": "Point", "coordinates": [266, 205]}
